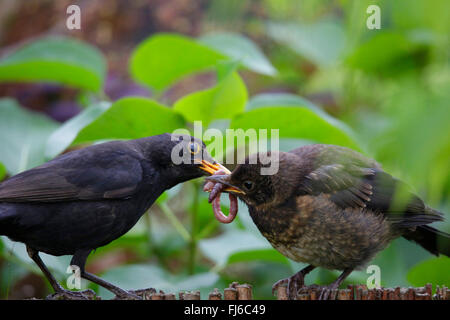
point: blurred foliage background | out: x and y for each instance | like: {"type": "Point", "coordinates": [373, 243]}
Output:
{"type": "Point", "coordinates": [311, 69]}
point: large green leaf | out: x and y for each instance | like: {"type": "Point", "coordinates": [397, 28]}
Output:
{"type": "Point", "coordinates": [131, 118]}
{"type": "Point", "coordinates": [434, 270]}
{"type": "Point", "coordinates": [240, 48]}
{"type": "Point", "coordinates": [295, 117]}
{"type": "Point", "coordinates": [56, 59]}
{"type": "Point", "coordinates": [66, 134]}
{"type": "Point", "coordinates": [163, 59]}
{"type": "Point", "coordinates": [389, 54]}
{"type": "Point", "coordinates": [258, 255]}
{"type": "Point", "coordinates": [23, 135]}
{"type": "Point", "coordinates": [322, 42]}
{"type": "Point", "coordinates": [279, 99]}
{"type": "Point", "coordinates": [292, 100]}
{"type": "Point", "coordinates": [224, 100]}
{"type": "Point", "coordinates": [238, 246]}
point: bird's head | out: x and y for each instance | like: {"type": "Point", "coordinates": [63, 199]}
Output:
{"type": "Point", "coordinates": [257, 189]}
{"type": "Point", "coordinates": [180, 156]}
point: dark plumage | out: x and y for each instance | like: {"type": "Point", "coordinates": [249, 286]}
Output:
{"type": "Point", "coordinates": [86, 198]}
{"type": "Point", "coordinates": [331, 207]}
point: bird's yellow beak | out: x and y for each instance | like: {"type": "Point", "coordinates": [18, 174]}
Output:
{"type": "Point", "coordinates": [223, 179]}
{"type": "Point", "coordinates": [211, 168]}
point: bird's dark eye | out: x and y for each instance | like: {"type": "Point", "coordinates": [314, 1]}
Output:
{"type": "Point", "coordinates": [248, 185]}
{"type": "Point", "coordinates": [194, 148]}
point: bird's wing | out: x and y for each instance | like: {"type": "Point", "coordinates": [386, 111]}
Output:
{"type": "Point", "coordinates": [353, 181]}
{"type": "Point", "coordinates": [82, 176]}
{"type": "Point", "coordinates": [338, 171]}
{"type": "Point", "coordinates": [346, 188]}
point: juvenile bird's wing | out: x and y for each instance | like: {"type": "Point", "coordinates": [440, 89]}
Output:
{"type": "Point", "coordinates": [86, 174]}
{"type": "Point", "coordinates": [352, 180]}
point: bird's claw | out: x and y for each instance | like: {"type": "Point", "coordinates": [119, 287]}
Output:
{"type": "Point", "coordinates": [128, 295]}
{"type": "Point", "coordinates": [277, 284]}
{"type": "Point", "coordinates": [323, 291]}
{"type": "Point", "coordinates": [142, 294]}
{"type": "Point", "coordinates": [73, 295]}
{"type": "Point", "coordinates": [324, 294]}
{"type": "Point", "coordinates": [292, 285]}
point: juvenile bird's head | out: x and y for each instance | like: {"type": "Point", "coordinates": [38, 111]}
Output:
{"type": "Point", "coordinates": [257, 189]}
{"type": "Point", "coordinates": [179, 156]}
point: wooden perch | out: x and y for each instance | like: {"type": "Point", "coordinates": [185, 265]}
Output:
{"type": "Point", "coordinates": [237, 291]}
{"type": "Point", "coordinates": [361, 292]}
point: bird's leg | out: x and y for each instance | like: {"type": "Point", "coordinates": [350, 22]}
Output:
{"type": "Point", "coordinates": [326, 290]}
{"type": "Point", "coordinates": [294, 282]}
{"type": "Point", "coordinates": [34, 255]}
{"type": "Point", "coordinates": [123, 294]}
{"type": "Point", "coordinates": [79, 259]}
{"type": "Point", "coordinates": [59, 290]}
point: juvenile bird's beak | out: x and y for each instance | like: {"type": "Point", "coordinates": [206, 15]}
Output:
{"type": "Point", "coordinates": [224, 179]}
{"type": "Point", "coordinates": [211, 168]}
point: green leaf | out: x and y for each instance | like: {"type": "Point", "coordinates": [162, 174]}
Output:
{"type": "Point", "coordinates": [322, 42]}
{"type": "Point", "coordinates": [295, 118]}
{"type": "Point", "coordinates": [224, 100]}
{"type": "Point", "coordinates": [66, 134]}
{"type": "Point", "coordinates": [279, 99]}
{"type": "Point", "coordinates": [292, 100]}
{"type": "Point", "coordinates": [237, 246]}
{"type": "Point", "coordinates": [2, 171]}
{"type": "Point", "coordinates": [225, 68]}
{"type": "Point", "coordinates": [271, 255]}
{"type": "Point", "coordinates": [163, 59]}
{"type": "Point", "coordinates": [56, 59]}
{"type": "Point", "coordinates": [434, 270]}
{"type": "Point", "coordinates": [389, 54]}
{"type": "Point", "coordinates": [23, 135]}
{"type": "Point", "coordinates": [131, 118]}
{"type": "Point", "coordinates": [240, 48]}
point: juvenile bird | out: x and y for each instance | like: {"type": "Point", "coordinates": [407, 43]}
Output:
{"type": "Point", "coordinates": [331, 207]}
{"type": "Point", "coordinates": [87, 198]}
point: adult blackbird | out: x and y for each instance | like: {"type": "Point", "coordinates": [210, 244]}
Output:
{"type": "Point", "coordinates": [87, 198]}
{"type": "Point", "coordinates": [331, 207]}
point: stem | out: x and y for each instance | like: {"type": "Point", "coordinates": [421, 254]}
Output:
{"type": "Point", "coordinates": [193, 242]}
{"type": "Point", "coordinates": [208, 229]}
{"type": "Point", "coordinates": [175, 222]}
{"type": "Point", "coordinates": [148, 225]}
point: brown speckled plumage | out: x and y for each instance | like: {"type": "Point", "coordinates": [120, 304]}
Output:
{"type": "Point", "coordinates": [320, 233]}
{"type": "Point", "coordinates": [331, 207]}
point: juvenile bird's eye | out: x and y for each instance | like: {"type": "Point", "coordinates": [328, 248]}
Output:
{"type": "Point", "coordinates": [194, 148]}
{"type": "Point", "coordinates": [248, 185]}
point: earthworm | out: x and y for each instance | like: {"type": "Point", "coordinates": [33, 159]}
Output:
{"type": "Point", "coordinates": [216, 189]}
{"type": "Point", "coordinates": [215, 192]}
{"type": "Point", "coordinates": [233, 209]}
{"type": "Point", "coordinates": [213, 187]}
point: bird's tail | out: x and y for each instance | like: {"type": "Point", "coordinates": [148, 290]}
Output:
{"type": "Point", "coordinates": [435, 241]}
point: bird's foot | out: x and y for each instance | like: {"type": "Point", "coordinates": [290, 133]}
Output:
{"type": "Point", "coordinates": [128, 295]}
{"type": "Point", "coordinates": [293, 284]}
{"type": "Point", "coordinates": [73, 295]}
{"type": "Point", "coordinates": [144, 294]}
{"type": "Point", "coordinates": [324, 292]}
